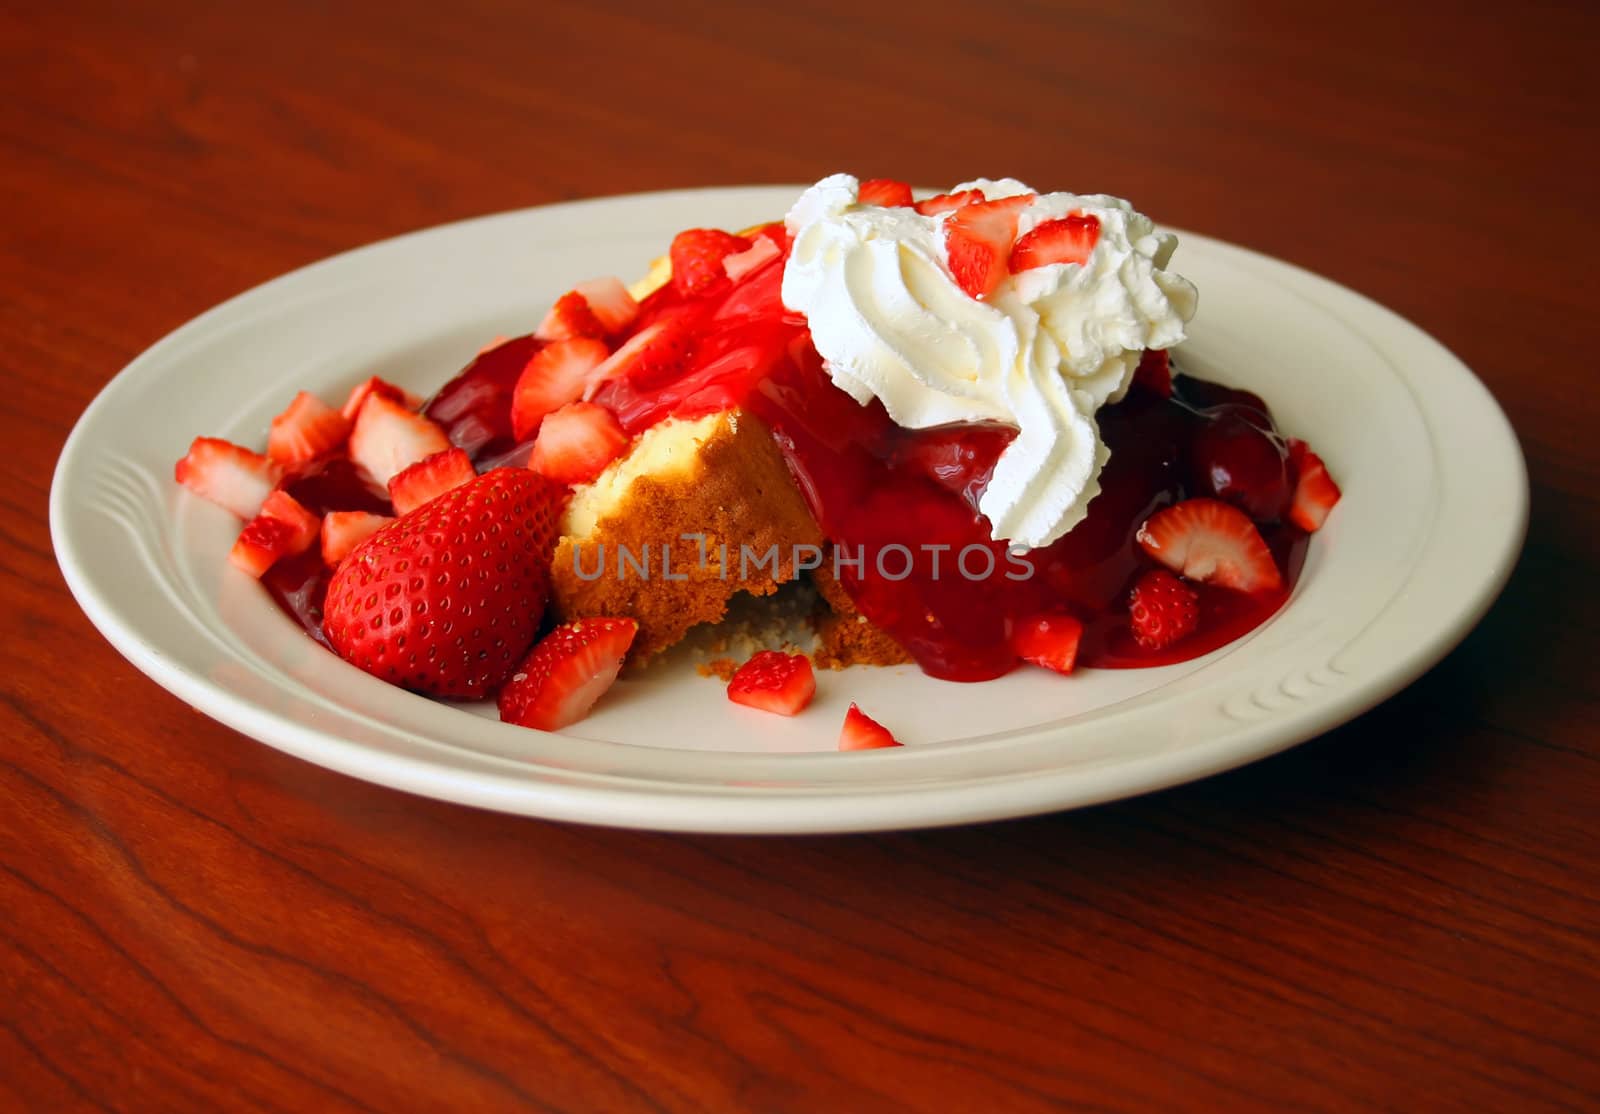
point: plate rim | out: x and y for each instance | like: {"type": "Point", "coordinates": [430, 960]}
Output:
{"type": "Point", "coordinates": [770, 811]}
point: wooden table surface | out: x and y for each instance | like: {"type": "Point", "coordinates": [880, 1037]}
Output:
{"type": "Point", "coordinates": [1400, 915]}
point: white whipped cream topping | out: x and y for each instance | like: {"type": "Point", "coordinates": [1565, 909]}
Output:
{"type": "Point", "coordinates": [1042, 354]}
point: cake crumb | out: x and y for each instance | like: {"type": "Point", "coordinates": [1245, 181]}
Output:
{"type": "Point", "coordinates": [723, 668]}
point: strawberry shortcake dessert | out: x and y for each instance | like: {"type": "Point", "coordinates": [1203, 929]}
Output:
{"type": "Point", "coordinates": [957, 422]}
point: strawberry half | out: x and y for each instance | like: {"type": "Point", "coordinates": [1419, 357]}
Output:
{"type": "Point", "coordinates": [570, 317]}
{"type": "Point", "coordinates": [376, 386]}
{"type": "Point", "coordinates": [1050, 639]}
{"type": "Point", "coordinates": [886, 192]}
{"type": "Point", "coordinates": [576, 443]}
{"type": "Point", "coordinates": [430, 478]}
{"type": "Point", "coordinates": [447, 599]}
{"type": "Point", "coordinates": [1212, 542]}
{"type": "Point", "coordinates": [283, 529]}
{"type": "Point", "coordinates": [569, 670]}
{"type": "Point", "coordinates": [947, 202]}
{"type": "Point", "coordinates": [229, 475]}
{"type": "Point", "coordinates": [388, 437]}
{"type": "Point", "coordinates": [1315, 493]}
{"type": "Point", "coordinates": [697, 255]}
{"type": "Point", "coordinates": [653, 355]}
{"type": "Point", "coordinates": [1163, 609]}
{"type": "Point", "coordinates": [1068, 240]}
{"type": "Point", "coordinates": [309, 428]}
{"type": "Point", "coordinates": [774, 682]}
{"type": "Point", "coordinates": [862, 732]}
{"type": "Point", "coordinates": [342, 531]}
{"type": "Point", "coordinates": [555, 376]}
{"type": "Point", "coordinates": [978, 241]}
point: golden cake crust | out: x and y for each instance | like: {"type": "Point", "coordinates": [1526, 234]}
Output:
{"type": "Point", "coordinates": [736, 492]}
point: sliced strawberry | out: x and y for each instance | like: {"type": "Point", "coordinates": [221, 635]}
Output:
{"type": "Point", "coordinates": [429, 478]}
{"type": "Point", "coordinates": [227, 474]}
{"type": "Point", "coordinates": [1068, 240]}
{"type": "Point", "coordinates": [1212, 542]}
{"type": "Point", "coordinates": [374, 385]}
{"type": "Point", "coordinates": [576, 443]}
{"type": "Point", "coordinates": [610, 303]}
{"type": "Point", "coordinates": [862, 732]}
{"type": "Point", "coordinates": [460, 630]}
{"type": "Point", "coordinates": [762, 250]}
{"type": "Point", "coordinates": [309, 428]}
{"type": "Point", "coordinates": [1154, 372]}
{"type": "Point", "coordinates": [774, 682]}
{"type": "Point", "coordinates": [886, 192]}
{"type": "Point", "coordinates": [555, 376]}
{"type": "Point", "coordinates": [978, 241]}
{"type": "Point", "coordinates": [1050, 639]}
{"type": "Point", "coordinates": [653, 355]}
{"type": "Point", "coordinates": [1163, 609]}
{"type": "Point", "coordinates": [947, 202]}
{"type": "Point", "coordinates": [570, 317]}
{"type": "Point", "coordinates": [697, 255]}
{"type": "Point", "coordinates": [282, 529]}
{"type": "Point", "coordinates": [388, 437]}
{"type": "Point", "coordinates": [342, 531]}
{"type": "Point", "coordinates": [1315, 493]}
{"type": "Point", "coordinates": [570, 669]}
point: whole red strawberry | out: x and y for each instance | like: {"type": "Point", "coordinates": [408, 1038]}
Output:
{"type": "Point", "coordinates": [447, 599]}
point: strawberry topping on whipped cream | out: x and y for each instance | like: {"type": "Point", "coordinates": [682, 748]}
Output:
{"type": "Point", "coordinates": [1041, 350]}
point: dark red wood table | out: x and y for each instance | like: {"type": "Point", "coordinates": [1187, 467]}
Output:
{"type": "Point", "coordinates": [1400, 915]}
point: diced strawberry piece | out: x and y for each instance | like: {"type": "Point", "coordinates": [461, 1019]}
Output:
{"type": "Point", "coordinates": [978, 242]}
{"type": "Point", "coordinates": [655, 354]}
{"type": "Point", "coordinates": [568, 671]}
{"type": "Point", "coordinates": [282, 529]}
{"type": "Point", "coordinates": [570, 317]}
{"type": "Point", "coordinates": [374, 385]}
{"type": "Point", "coordinates": [1068, 240]}
{"type": "Point", "coordinates": [774, 682]}
{"type": "Point", "coordinates": [227, 474]}
{"type": "Point", "coordinates": [309, 428]}
{"type": "Point", "coordinates": [886, 192]}
{"type": "Point", "coordinates": [576, 443]}
{"type": "Point", "coordinates": [1212, 542]}
{"type": "Point", "coordinates": [429, 478]}
{"type": "Point", "coordinates": [1050, 639]}
{"type": "Point", "coordinates": [1315, 493]}
{"type": "Point", "coordinates": [555, 376]}
{"type": "Point", "coordinates": [947, 202]}
{"type": "Point", "coordinates": [862, 732]}
{"type": "Point", "coordinates": [388, 437]}
{"type": "Point", "coordinates": [762, 250]}
{"type": "Point", "coordinates": [697, 255]}
{"type": "Point", "coordinates": [610, 303]}
{"type": "Point", "coordinates": [1154, 372]}
{"type": "Point", "coordinates": [1163, 609]}
{"type": "Point", "coordinates": [342, 531]}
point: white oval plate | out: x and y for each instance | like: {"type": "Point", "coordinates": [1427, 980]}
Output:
{"type": "Point", "coordinates": [1435, 504]}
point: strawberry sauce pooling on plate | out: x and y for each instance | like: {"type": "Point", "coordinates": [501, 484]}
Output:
{"type": "Point", "coordinates": [904, 501]}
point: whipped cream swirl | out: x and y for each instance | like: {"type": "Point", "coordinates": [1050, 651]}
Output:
{"type": "Point", "coordinates": [1042, 354]}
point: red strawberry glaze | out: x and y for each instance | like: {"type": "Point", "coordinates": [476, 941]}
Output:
{"type": "Point", "coordinates": [873, 485]}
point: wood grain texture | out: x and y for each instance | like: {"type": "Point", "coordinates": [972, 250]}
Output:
{"type": "Point", "coordinates": [1401, 915]}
